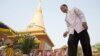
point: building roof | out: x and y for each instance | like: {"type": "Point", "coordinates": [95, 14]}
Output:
{"type": "Point", "coordinates": [2, 25]}
{"type": "Point", "coordinates": [5, 30]}
{"type": "Point", "coordinates": [39, 34]}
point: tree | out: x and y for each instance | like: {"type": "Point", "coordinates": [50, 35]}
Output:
{"type": "Point", "coordinates": [97, 46]}
{"type": "Point", "coordinates": [79, 53]}
{"type": "Point", "coordinates": [29, 43]}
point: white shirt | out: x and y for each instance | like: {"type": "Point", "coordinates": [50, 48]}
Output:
{"type": "Point", "coordinates": [74, 19]}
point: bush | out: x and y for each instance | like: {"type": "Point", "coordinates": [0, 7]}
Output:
{"type": "Point", "coordinates": [28, 44]}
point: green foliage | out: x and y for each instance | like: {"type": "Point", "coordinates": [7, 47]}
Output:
{"type": "Point", "coordinates": [28, 44]}
{"type": "Point", "coordinates": [97, 46]}
{"type": "Point", "coordinates": [79, 52]}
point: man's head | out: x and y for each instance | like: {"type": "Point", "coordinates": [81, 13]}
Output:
{"type": "Point", "coordinates": [64, 8]}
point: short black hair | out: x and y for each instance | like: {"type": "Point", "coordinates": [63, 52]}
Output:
{"type": "Point", "coordinates": [64, 5]}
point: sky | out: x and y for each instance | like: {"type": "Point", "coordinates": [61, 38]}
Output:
{"type": "Point", "coordinates": [17, 14]}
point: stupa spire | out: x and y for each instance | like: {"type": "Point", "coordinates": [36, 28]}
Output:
{"type": "Point", "coordinates": [37, 21]}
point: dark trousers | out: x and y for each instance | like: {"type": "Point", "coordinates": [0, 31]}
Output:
{"type": "Point", "coordinates": [84, 40]}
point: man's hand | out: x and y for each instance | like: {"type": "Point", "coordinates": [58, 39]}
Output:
{"type": "Point", "coordinates": [84, 24]}
{"type": "Point", "coordinates": [65, 34]}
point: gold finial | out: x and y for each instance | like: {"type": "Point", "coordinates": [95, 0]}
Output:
{"type": "Point", "coordinates": [40, 0]}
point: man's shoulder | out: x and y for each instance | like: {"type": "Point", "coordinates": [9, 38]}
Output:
{"type": "Point", "coordinates": [75, 8]}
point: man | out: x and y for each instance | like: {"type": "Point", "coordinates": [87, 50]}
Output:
{"type": "Point", "coordinates": [77, 30]}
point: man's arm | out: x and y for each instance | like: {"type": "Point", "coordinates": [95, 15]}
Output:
{"type": "Point", "coordinates": [68, 27]}
{"type": "Point", "coordinates": [80, 14]}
